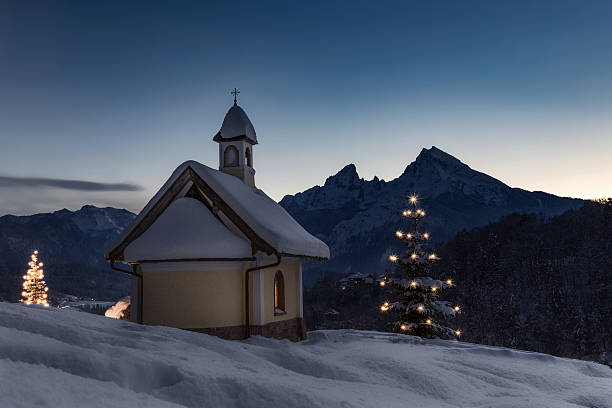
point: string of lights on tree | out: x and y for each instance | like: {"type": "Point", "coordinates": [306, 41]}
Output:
{"type": "Point", "coordinates": [420, 312]}
{"type": "Point", "coordinates": [34, 287]}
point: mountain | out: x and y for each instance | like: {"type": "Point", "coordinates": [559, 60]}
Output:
{"type": "Point", "coordinates": [71, 244]}
{"type": "Point", "coordinates": [357, 218]}
{"type": "Point", "coordinates": [62, 358]}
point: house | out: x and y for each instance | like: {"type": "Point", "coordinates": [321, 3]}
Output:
{"type": "Point", "coordinates": [212, 253]}
{"type": "Point", "coordinates": [354, 280]}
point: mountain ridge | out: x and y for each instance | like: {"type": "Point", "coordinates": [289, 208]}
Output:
{"type": "Point", "coordinates": [355, 217]}
{"type": "Point", "coordinates": [358, 217]}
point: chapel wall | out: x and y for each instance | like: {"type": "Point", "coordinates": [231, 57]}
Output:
{"type": "Point", "coordinates": [193, 299]}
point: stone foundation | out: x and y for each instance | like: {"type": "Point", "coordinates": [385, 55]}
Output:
{"type": "Point", "coordinates": [292, 329]}
{"type": "Point", "coordinates": [228, 332]}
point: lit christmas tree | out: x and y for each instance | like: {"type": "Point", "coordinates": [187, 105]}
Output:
{"type": "Point", "coordinates": [34, 287]}
{"type": "Point", "coordinates": [420, 312]}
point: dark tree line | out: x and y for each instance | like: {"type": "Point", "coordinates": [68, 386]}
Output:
{"type": "Point", "coordinates": [537, 284]}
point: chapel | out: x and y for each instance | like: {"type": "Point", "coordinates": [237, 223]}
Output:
{"type": "Point", "coordinates": [211, 252]}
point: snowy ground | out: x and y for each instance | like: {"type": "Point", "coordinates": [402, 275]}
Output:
{"type": "Point", "coordinates": [66, 358]}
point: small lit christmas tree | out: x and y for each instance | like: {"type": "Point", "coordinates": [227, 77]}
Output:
{"type": "Point", "coordinates": [34, 287]}
{"type": "Point", "coordinates": [420, 312]}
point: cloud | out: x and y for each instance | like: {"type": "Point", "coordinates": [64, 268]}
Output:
{"type": "Point", "coordinates": [79, 185]}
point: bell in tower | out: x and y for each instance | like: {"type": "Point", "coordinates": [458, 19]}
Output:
{"type": "Point", "coordinates": [236, 139]}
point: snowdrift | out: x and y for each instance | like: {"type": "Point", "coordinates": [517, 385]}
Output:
{"type": "Point", "coordinates": [65, 358]}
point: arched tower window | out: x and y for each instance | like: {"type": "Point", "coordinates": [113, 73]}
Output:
{"type": "Point", "coordinates": [230, 156]}
{"type": "Point", "coordinates": [249, 160]}
{"type": "Point", "coordinates": [279, 293]}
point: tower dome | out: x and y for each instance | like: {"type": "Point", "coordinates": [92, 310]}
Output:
{"type": "Point", "coordinates": [236, 126]}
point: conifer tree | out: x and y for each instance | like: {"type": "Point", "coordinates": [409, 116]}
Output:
{"type": "Point", "coordinates": [34, 287]}
{"type": "Point", "coordinates": [416, 303]}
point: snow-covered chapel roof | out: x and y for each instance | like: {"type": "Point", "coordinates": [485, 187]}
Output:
{"type": "Point", "coordinates": [171, 227]}
{"type": "Point", "coordinates": [236, 126]}
{"type": "Point", "coordinates": [187, 230]}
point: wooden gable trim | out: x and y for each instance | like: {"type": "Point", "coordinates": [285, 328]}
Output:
{"type": "Point", "coordinates": [195, 193]}
{"type": "Point", "coordinates": [158, 208]}
{"type": "Point", "coordinates": [198, 260]}
{"type": "Point", "coordinates": [257, 243]}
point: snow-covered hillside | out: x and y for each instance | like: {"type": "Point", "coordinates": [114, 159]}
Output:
{"type": "Point", "coordinates": [62, 358]}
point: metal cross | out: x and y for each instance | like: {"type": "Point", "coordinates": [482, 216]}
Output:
{"type": "Point", "coordinates": [235, 92]}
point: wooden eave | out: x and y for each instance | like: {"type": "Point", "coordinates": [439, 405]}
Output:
{"type": "Point", "coordinates": [219, 138]}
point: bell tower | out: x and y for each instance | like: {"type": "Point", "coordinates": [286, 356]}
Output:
{"type": "Point", "coordinates": [236, 139]}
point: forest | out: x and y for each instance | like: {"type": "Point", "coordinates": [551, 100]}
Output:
{"type": "Point", "coordinates": [525, 282]}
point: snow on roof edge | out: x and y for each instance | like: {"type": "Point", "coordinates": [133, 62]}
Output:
{"type": "Point", "coordinates": [113, 244]}
{"type": "Point", "coordinates": [297, 242]}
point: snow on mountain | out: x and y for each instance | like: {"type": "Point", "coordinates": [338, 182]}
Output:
{"type": "Point", "coordinates": [90, 218]}
{"type": "Point", "coordinates": [53, 358]}
{"type": "Point", "coordinates": [357, 218]}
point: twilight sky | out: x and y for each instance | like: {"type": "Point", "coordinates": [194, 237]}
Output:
{"type": "Point", "coordinates": [100, 101]}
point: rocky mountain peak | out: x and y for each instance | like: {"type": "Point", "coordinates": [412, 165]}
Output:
{"type": "Point", "coordinates": [434, 159]}
{"type": "Point", "coordinates": [440, 172]}
{"type": "Point", "coordinates": [344, 178]}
